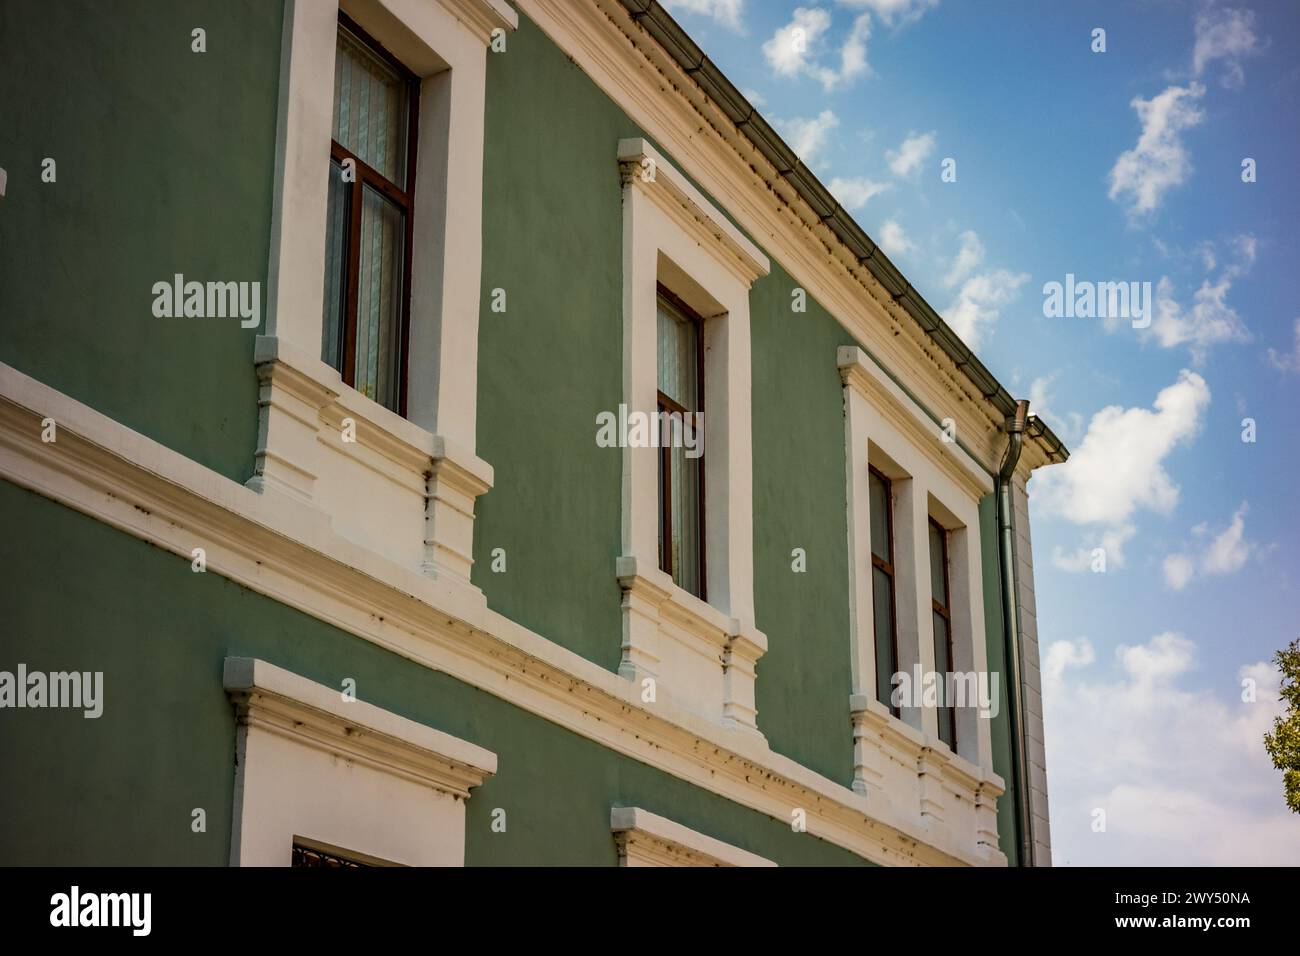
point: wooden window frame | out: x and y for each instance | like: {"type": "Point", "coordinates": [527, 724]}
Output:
{"type": "Point", "coordinates": [367, 175]}
{"type": "Point", "coordinates": [944, 610]}
{"type": "Point", "coordinates": [666, 404]}
{"type": "Point", "coordinates": [887, 566]}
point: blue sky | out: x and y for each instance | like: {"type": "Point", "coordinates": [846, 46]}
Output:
{"type": "Point", "coordinates": [1123, 165]}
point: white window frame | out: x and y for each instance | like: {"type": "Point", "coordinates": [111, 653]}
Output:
{"type": "Point", "coordinates": [374, 488]}
{"type": "Point", "coordinates": [672, 235]}
{"type": "Point", "coordinates": [345, 776]}
{"type": "Point", "coordinates": [900, 762]}
{"type": "Point", "coordinates": [647, 839]}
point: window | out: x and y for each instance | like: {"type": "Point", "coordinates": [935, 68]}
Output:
{"type": "Point", "coordinates": [306, 857]}
{"type": "Point", "coordinates": [941, 609]}
{"type": "Point", "coordinates": [681, 470]}
{"type": "Point", "coordinates": [881, 508]}
{"type": "Point", "coordinates": [368, 224]}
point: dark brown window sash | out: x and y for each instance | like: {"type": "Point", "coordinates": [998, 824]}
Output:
{"type": "Point", "coordinates": [670, 405]}
{"type": "Point", "coordinates": [887, 565]}
{"type": "Point", "coordinates": [367, 175]}
{"type": "Point", "coordinates": [944, 610]}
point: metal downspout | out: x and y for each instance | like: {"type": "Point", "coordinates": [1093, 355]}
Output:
{"type": "Point", "coordinates": [1011, 626]}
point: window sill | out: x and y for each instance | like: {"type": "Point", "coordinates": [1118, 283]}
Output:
{"type": "Point", "coordinates": [692, 653]}
{"type": "Point", "coordinates": [913, 775]}
{"type": "Point", "coordinates": [383, 481]}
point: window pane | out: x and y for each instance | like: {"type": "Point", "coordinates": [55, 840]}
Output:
{"type": "Point", "coordinates": [379, 299]}
{"type": "Point", "coordinates": [882, 599]}
{"type": "Point", "coordinates": [878, 504]}
{"type": "Point", "coordinates": [686, 520]}
{"type": "Point", "coordinates": [336, 271]}
{"type": "Point", "coordinates": [370, 108]}
{"type": "Point", "coordinates": [678, 356]}
{"type": "Point", "coordinates": [938, 558]}
{"type": "Point", "coordinates": [943, 667]}
{"type": "Point", "coordinates": [942, 646]}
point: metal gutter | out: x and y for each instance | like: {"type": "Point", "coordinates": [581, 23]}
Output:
{"type": "Point", "coordinates": [656, 21]}
{"type": "Point", "coordinates": [1017, 427]}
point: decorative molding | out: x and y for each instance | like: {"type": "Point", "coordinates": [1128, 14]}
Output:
{"type": "Point", "coordinates": [642, 166]}
{"type": "Point", "coordinates": [484, 16]}
{"type": "Point", "coordinates": [314, 715]}
{"type": "Point", "coordinates": [690, 650]}
{"type": "Point", "coordinates": [276, 546]}
{"type": "Point", "coordinates": [918, 778]}
{"type": "Point", "coordinates": [647, 839]}
{"type": "Point", "coordinates": [391, 485]}
{"type": "Point", "coordinates": [312, 767]}
{"type": "Point", "coordinates": [858, 370]}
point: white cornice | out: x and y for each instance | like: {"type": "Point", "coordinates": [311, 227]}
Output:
{"type": "Point", "coordinates": [645, 168]}
{"type": "Point", "coordinates": [650, 839]}
{"type": "Point", "coordinates": [292, 706]}
{"type": "Point", "coordinates": [285, 549]}
{"type": "Point", "coordinates": [861, 372]}
{"type": "Point", "coordinates": [483, 16]}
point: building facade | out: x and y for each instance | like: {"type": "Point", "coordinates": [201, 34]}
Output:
{"type": "Point", "coordinates": [462, 432]}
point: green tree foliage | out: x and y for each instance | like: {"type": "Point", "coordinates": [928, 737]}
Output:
{"type": "Point", "coordinates": [1283, 744]}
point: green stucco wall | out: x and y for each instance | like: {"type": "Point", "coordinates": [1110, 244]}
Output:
{"type": "Point", "coordinates": [120, 789]}
{"type": "Point", "coordinates": [164, 164]}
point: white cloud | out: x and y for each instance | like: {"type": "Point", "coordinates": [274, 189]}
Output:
{"type": "Point", "coordinates": [1119, 466]}
{"type": "Point", "coordinates": [726, 12]}
{"type": "Point", "coordinates": [1229, 549]}
{"type": "Point", "coordinates": [1111, 541]}
{"type": "Point", "coordinates": [1063, 655]}
{"type": "Point", "coordinates": [1287, 362]}
{"type": "Point", "coordinates": [969, 256]}
{"type": "Point", "coordinates": [1068, 425]}
{"type": "Point", "coordinates": [979, 302]}
{"type": "Point", "coordinates": [853, 193]}
{"type": "Point", "coordinates": [895, 12]}
{"type": "Point", "coordinates": [808, 137]}
{"type": "Point", "coordinates": [1179, 570]}
{"type": "Point", "coordinates": [909, 156]}
{"type": "Point", "coordinates": [1182, 776]}
{"type": "Point", "coordinates": [1210, 320]}
{"type": "Point", "coordinates": [1226, 34]}
{"type": "Point", "coordinates": [795, 49]}
{"type": "Point", "coordinates": [1159, 161]}
{"type": "Point", "coordinates": [893, 239]}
